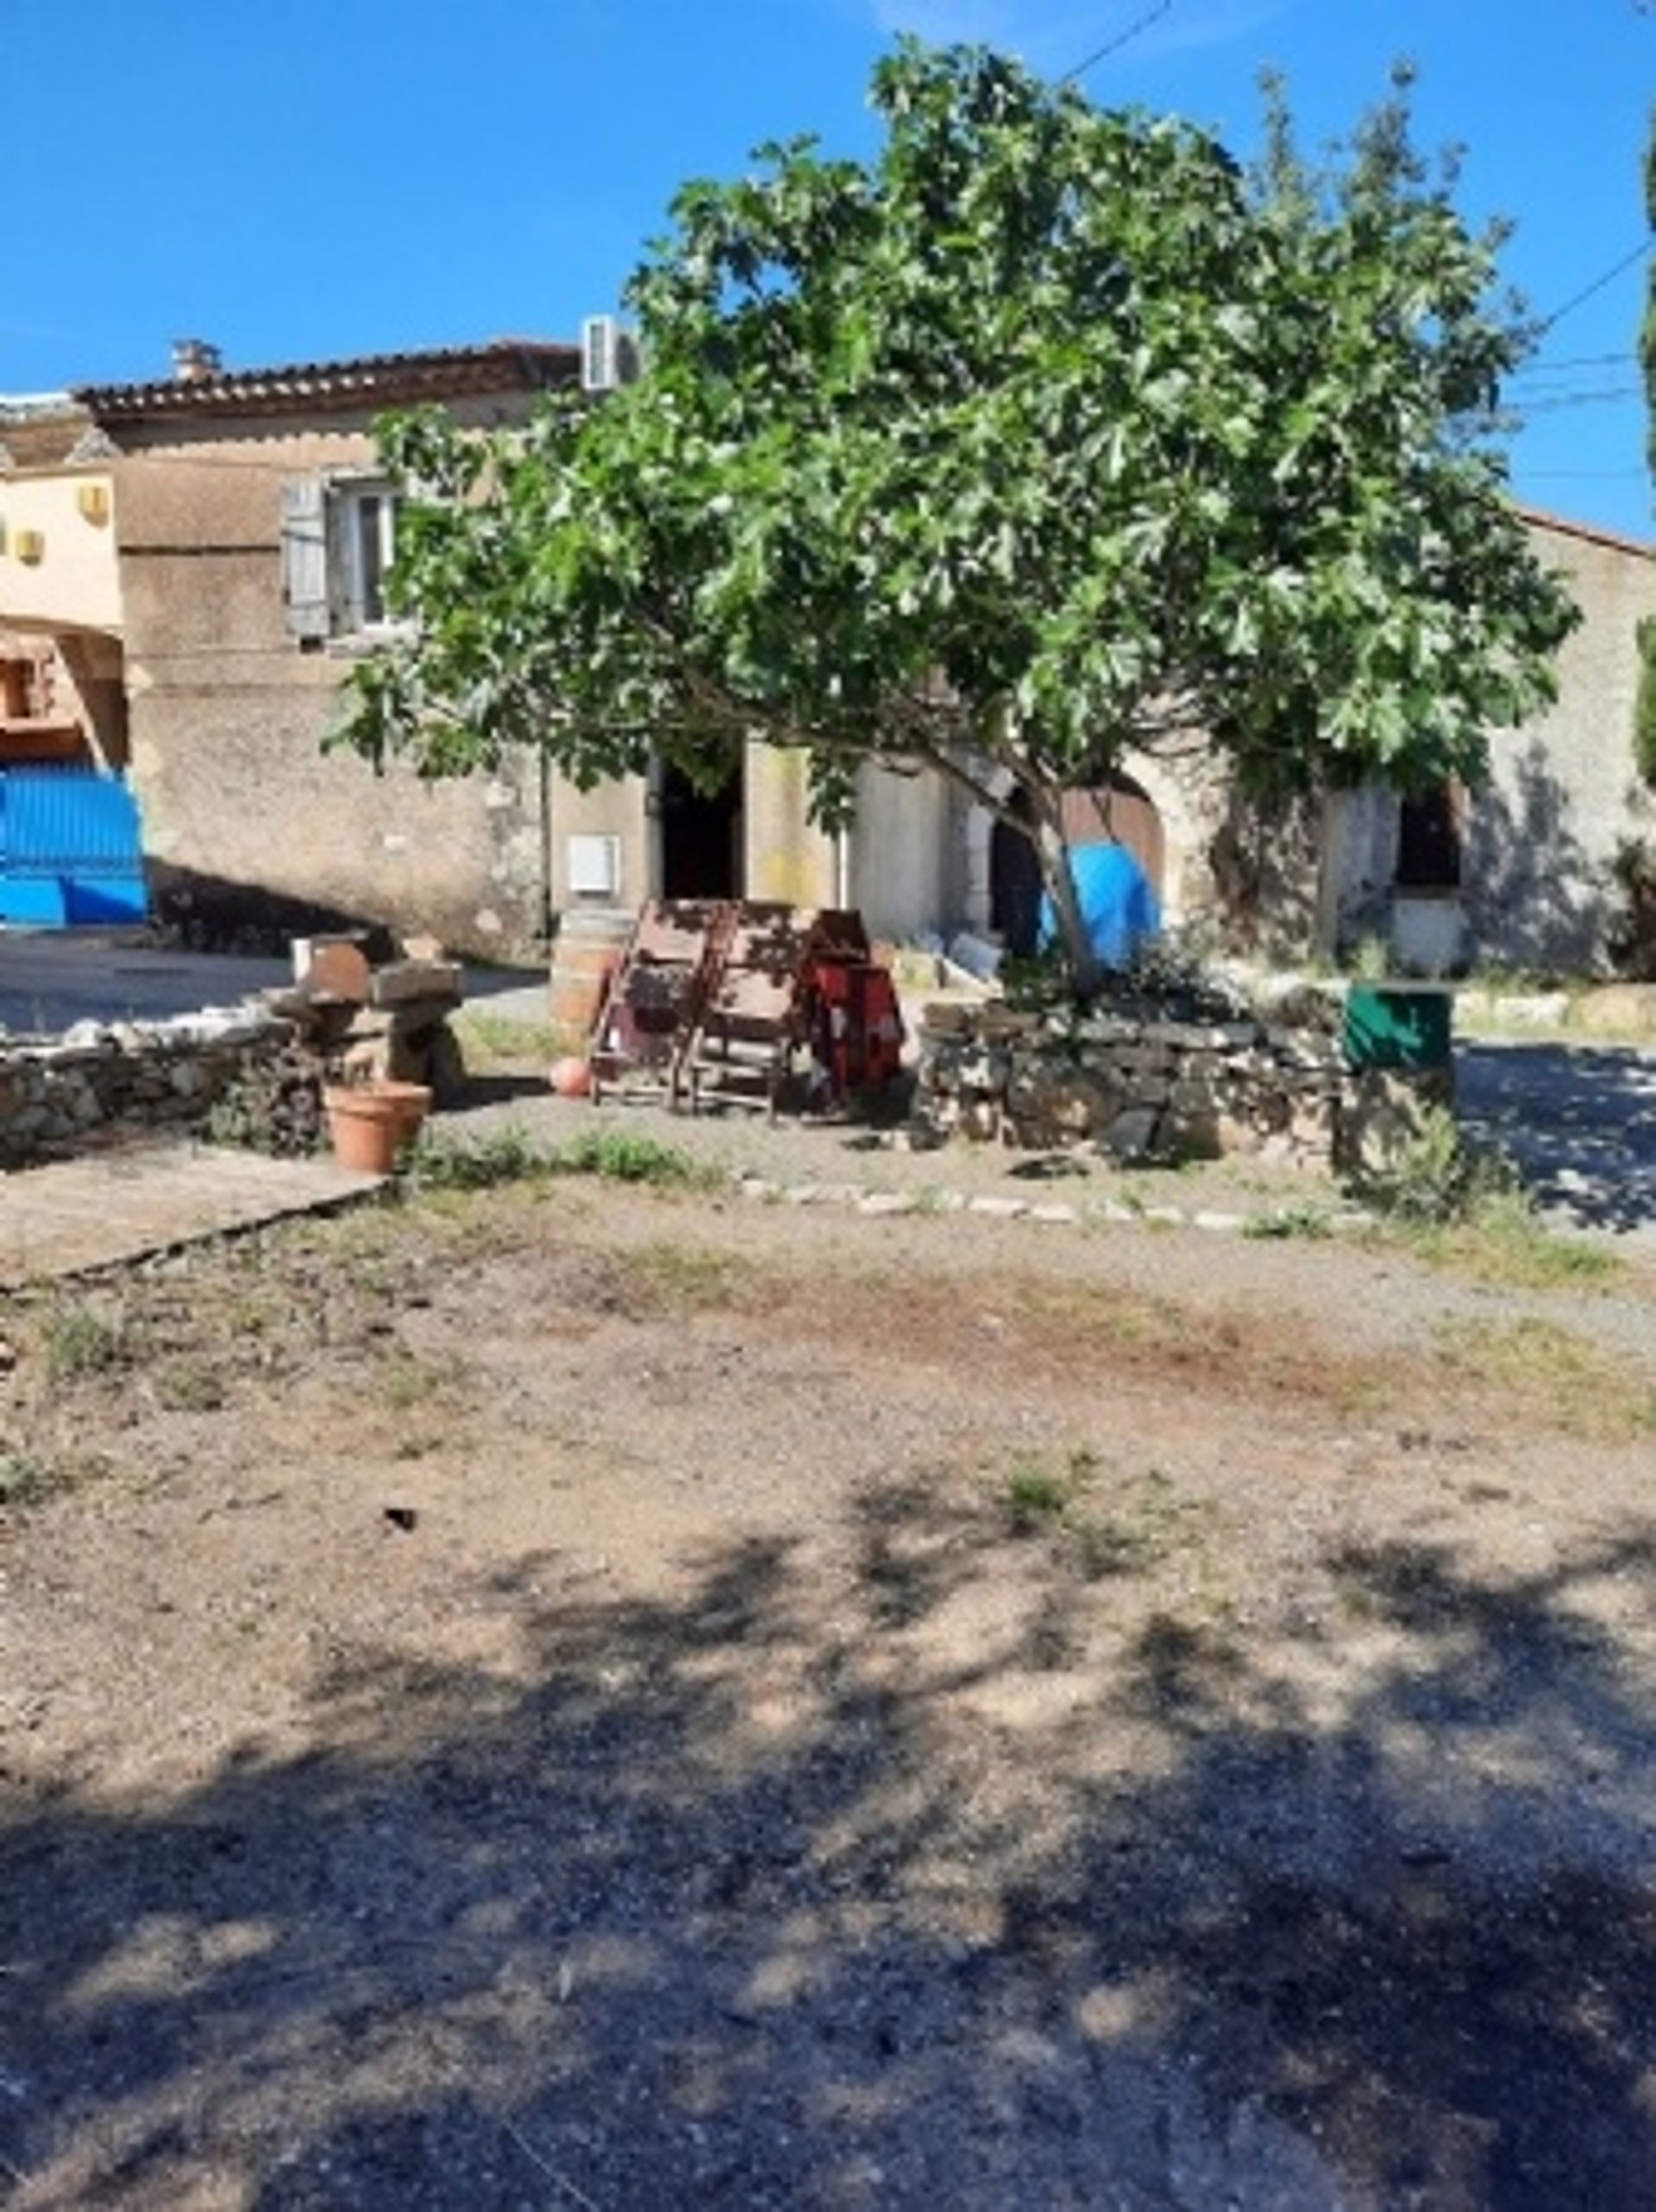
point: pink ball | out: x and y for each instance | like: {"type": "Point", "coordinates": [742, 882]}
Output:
{"type": "Point", "coordinates": [571, 1078]}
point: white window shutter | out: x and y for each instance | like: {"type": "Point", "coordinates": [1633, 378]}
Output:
{"type": "Point", "coordinates": [304, 556]}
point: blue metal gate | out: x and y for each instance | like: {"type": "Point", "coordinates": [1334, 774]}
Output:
{"type": "Point", "coordinates": [70, 848]}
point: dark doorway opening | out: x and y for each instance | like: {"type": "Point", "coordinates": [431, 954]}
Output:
{"type": "Point", "coordinates": [1428, 840]}
{"type": "Point", "coordinates": [1015, 884]}
{"type": "Point", "coordinates": [701, 837]}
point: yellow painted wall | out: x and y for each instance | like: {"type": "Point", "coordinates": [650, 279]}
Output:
{"type": "Point", "coordinates": [75, 582]}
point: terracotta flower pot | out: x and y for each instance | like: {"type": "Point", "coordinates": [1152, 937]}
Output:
{"type": "Point", "coordinates": [369, 1123]}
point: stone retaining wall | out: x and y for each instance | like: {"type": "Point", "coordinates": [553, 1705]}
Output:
{"type": "Point", "coordinates": [57, 1097]}
{"type": "Point", "coordinates": [1137, 1085]}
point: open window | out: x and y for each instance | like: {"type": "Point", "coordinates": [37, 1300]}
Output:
{"type": "Point", "coordinates": [339, 538]}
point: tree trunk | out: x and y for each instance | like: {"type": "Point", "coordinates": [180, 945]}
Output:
{"type": "Point", "coordinates": [1053, 851]}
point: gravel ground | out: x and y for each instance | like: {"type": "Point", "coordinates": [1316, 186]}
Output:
{"type": "Point", "coordinates": [620, 1698]}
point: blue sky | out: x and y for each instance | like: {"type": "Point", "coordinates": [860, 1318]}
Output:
{"type": "Point", "coordinates": [342, 176]}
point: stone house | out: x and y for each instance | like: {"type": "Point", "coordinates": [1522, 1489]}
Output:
{"type": "Point", "coordinates": [1528, 860]}
{"type": "Point", "coordinates": [62, 693]}
{"type": "Point", "coordinates": [249, 533]}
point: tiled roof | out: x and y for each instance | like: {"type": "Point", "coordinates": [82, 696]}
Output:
{"type": "Point", "coordinates": [1589, 530]}
{"type": "Point", "coordinates": [39, 433]}
{"type": "Point", "coordinates": [367, 381]}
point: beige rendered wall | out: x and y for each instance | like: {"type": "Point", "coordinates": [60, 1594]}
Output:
{"type": "Point", "coordinates": [785, 858]}
{"type": "Point", "coordinates": [242, 808]}
{"type": "Point", "coordinates": [1564, 792]}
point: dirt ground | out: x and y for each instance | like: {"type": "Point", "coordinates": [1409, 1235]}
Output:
{"type": "Point", "coordinates": [631, 1700]}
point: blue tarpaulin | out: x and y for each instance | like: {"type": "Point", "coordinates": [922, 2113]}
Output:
{"type": "Point", "coordinates": [1119, 907]}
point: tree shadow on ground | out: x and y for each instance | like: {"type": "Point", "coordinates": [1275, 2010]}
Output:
{"type": "Point", "coordinates": [1579, 1121]}
{"type": "Point", "coordinates": [765, 1895]}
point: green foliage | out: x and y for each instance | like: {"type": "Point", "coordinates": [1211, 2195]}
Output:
{"type": "Point", "coordinates": [621, 1156]}
{"type": "Point", "coordinates": [24, 1480]}
{"type": "Point", "coordinates": [1053, 403]}
{"type": "Point", "coordinates": [509, 1155]}
{"type": "Point", "coordinates": [79, 1340]}
{"type": "Point", "coordinates": [1437, 1179]}
{"type": "Point", "coordinates": [1644, 711]}
{"type": "Point", "coordinates": [439, 1161]}
{"type": "Point", "coordinates": [1632, 944]}
{"type": "Point", "coordinates": [1284, 1223]}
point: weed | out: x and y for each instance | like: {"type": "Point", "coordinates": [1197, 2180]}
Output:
{"type": "Point", "coordinates": [1284, 1222]}
{"type": "Point", "coordinates": [438, 1161]}
{"type": "Point", "coordinates": [686, 1275]}
{"type": "Point", "coordinates": [622, 1156]}
{"type": "Point", "coordinates": [409, 1381]}
{"type": "Point", "coordinates": [23, 1480]}
{"type": "Point", "coordinates": [1035, 1497]}
{"type": "Point", "coordinates": [186, 1386]}
{"type": "Point", "coordinates": [1550, 1375]}
{"type": "Point", "coordinates": [1437, 1179]}
{"type": "Point", "coordinates": [493, 1041]}
{"type": "Point", "coordinates": [82, 1339]}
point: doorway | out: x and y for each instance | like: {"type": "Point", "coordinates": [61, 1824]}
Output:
{"type": "Point", "coordinates": [701, 836]}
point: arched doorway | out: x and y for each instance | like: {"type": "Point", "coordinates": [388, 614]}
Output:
{"type": "Point", "coordinates": [1120, 812]}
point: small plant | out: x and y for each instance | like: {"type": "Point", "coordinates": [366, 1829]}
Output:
{"type": "Point", "coordinates": [83, 1340]}
{"type": "Point", "coordinates": [622, 1156]}
{"type": "Point", "coordinates": [1035, 1497]}
{"type": "Point", "coordinates": [275, 1108]}
{"type": "Point", "coordinates": [1286, 1221]}
{"type": "Point", "coordinates": [184, 1385]}
{"type": "Point", "coordinates": [1437, 1179]}
{"type": "Point", "coordinates": [23, 1480]}
{"type": "Point", "coordinates": [1370, 960]}
{"type": "Point", "coordinates": [438, 1161]}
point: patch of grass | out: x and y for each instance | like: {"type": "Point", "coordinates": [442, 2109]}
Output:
{"type": "Point", "coordinates": [685, 1275]}
{"type": "Point", "coordinates": [189, 1386]}
{"type": "Point", "coordinates": [624, 1156]}
{"type": "Point", "coordinates": [438, 1161]}
{"type": "Point", "coordinates": [24, 1480]}
{"type": "Point", "coordinates": [1289, 1221]}
{"type": "Point", "coordinates": [491, 1041]}
{"type": "Point", "coordinates": [79, 1339]}
{"type": "Point", "coordinates": [1550, 1375]}
{"type": "Point", "coordinates": [406, 1380]}
{"type": "Point", "coordinates": [1037, 1497]}
{"type": "Point", "coordinates": [1511, 1248]}
{"type": "Point", "coordinates": [1146, 1521]}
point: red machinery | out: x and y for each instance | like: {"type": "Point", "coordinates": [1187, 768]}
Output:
{"type": "Point", "coordinates": [731, 999]}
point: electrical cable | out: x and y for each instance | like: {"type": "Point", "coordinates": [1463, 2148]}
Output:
{"type": "Point", "coordinates": [1122, 38]}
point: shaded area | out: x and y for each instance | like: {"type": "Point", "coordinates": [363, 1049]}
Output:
{"type": "Point", "coordinates": [1578, 1121]}
{"type": "Point", "coordinates": [708, 1901]}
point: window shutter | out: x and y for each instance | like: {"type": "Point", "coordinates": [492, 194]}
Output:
{"type": "Point", "coordinates": [304, 556]}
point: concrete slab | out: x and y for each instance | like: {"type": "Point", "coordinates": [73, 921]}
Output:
{"type": "Point", "coordinates": [75, 1216]}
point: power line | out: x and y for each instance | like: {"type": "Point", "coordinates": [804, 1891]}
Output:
{"type": "Point", "coordinates": [1133, 30]}
{"type": "Point", "coordinates": [1598, 283]}
{"type": "Point", "coordinates": [1574, 361]}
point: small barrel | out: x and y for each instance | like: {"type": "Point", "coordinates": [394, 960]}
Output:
{"type": "Point", "coordinates": [585, 953]}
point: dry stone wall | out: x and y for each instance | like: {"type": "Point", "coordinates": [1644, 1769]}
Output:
{"type": "Point", "coordinates": [64, 1095]}
{"type": "Point", "coordinates": [1139, 1086]}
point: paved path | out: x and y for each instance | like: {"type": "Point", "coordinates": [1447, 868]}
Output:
{"type": "Point", "coordinates": [77, 1214]}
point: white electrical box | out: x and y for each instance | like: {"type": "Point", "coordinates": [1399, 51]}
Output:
{"type": "Point", "coordinates": [593, 865]}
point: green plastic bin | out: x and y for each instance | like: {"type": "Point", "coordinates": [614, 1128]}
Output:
{"type": "Point", "coordinates": [1395, 1025]}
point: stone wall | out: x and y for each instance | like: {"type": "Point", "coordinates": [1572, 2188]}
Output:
{"type": "Point", "coordinates": [1139, 1086]}
{"type": "Point", "coordinates": [63, 1097]}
